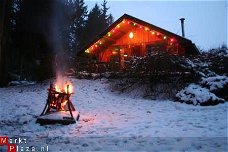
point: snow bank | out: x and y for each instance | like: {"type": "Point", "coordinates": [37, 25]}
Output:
{"type": "Point", "coordinates": [195, 94]}
{"type": "Point", "coordinates": [215, 83]}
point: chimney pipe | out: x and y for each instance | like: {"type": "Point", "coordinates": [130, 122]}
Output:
{"type": "Point", "coordinates": [182, 26]}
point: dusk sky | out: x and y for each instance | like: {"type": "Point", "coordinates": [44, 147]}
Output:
{"type": "Point", "coordinates": [205, 24]}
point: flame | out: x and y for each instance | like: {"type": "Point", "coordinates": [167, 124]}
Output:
{"type": "Point", "coordinates": [62, 84]}
{"type": "Point", "coordinates": [70, 87]}
{"type": "Point", "coordinates": [58, 87]}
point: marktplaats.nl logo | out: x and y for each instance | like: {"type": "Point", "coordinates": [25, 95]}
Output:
{"type": "Point", "coordinates": [18, 145]}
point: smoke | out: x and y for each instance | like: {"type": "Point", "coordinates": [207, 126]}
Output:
{"type": "Point", "coordinates": [56, 37]}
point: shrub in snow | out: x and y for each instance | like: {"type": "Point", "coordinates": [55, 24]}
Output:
{"type": "Point", "coordinates": [217, 60]}
{"type": "Point", "coordinates": [158, 75]}
{"type": "Point", "coordinates": [199, 65]}
{"type": "Point", "coordinates": [195, 94]}
{"type": "Point", "coordinates": [217, 85]}
{"type": "Point", "coordinates": [221, 51]}
{"type": "Point", "coordinates": [89, 75]}
{"type": "Point", "coordinates": [83, 75]}
{"type": "Point", "coordinates": [214, 83]}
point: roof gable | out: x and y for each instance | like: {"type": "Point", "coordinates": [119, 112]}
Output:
{"type": "Point", "coordinates": [117, 29]}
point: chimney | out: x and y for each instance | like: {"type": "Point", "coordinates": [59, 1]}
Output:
{"type": "Point", "coordinates": [182, 26]}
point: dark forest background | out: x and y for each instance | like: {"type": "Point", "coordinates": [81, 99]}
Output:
{"type": "Point", "coordinates": [35, 33]}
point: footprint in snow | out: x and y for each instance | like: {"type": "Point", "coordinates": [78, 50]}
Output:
{"type": "Point", "coordinates": [87, 119]}
{"type": "Point", "coordinates": [85, 145]}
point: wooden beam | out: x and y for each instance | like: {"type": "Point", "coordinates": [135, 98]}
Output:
{"type": "Point", "coordinates": [109, 38]}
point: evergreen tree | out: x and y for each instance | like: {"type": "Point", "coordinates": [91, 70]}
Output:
{"type": "Point", "coordinates": [37, 30]}
{"type": "Point", "coordinates": [5, 11]}
{"type": "Point", "coordinates": [110, 19]}
{"type": "Point", "coordinates": [106, 19]}
{"type": "Point", "coordinates": [93, 24]}
{"type": "Point", "coordinates": [33, 31]}
{"type": "Point", "coordinates": [104, 15]}
{"type": "Point", "coordinates": [70, 36]}
{"type": "Point", "coordinates": [79, 23]}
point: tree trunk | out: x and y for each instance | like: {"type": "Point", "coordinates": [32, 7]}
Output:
{"type": "Point", "coordinates": [4, 29]}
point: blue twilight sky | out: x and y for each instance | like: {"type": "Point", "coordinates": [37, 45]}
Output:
{"type": "Point", "coordinates": [205, 21]}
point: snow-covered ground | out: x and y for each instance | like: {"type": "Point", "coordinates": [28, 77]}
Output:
{"type": "Point", "coordinates": [112, 121]}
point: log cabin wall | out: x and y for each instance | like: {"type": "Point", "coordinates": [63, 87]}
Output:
{"type": "Point", "coordinates": [140, 41]}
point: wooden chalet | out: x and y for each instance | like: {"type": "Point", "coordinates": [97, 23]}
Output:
{"type": "Point", "coordinates": [130, 36]}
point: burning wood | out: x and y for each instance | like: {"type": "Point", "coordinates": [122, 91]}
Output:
{"type": "Point", "coordinates": [60, 96]}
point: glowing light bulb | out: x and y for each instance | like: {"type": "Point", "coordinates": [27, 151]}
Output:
{"type": "Point", "coordinates": [131, 35]}
{"type": "Point", "coordinates": [114, 52]}
{"type": "Point", "coordinates": [87, 51]}
{"type": "Point", "coordinates": [164, 37]}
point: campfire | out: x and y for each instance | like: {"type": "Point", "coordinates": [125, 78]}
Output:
{"type": "Point", "coordinates": [59, 97]}
{"type": "Point", "coordinates": [59, 107]}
